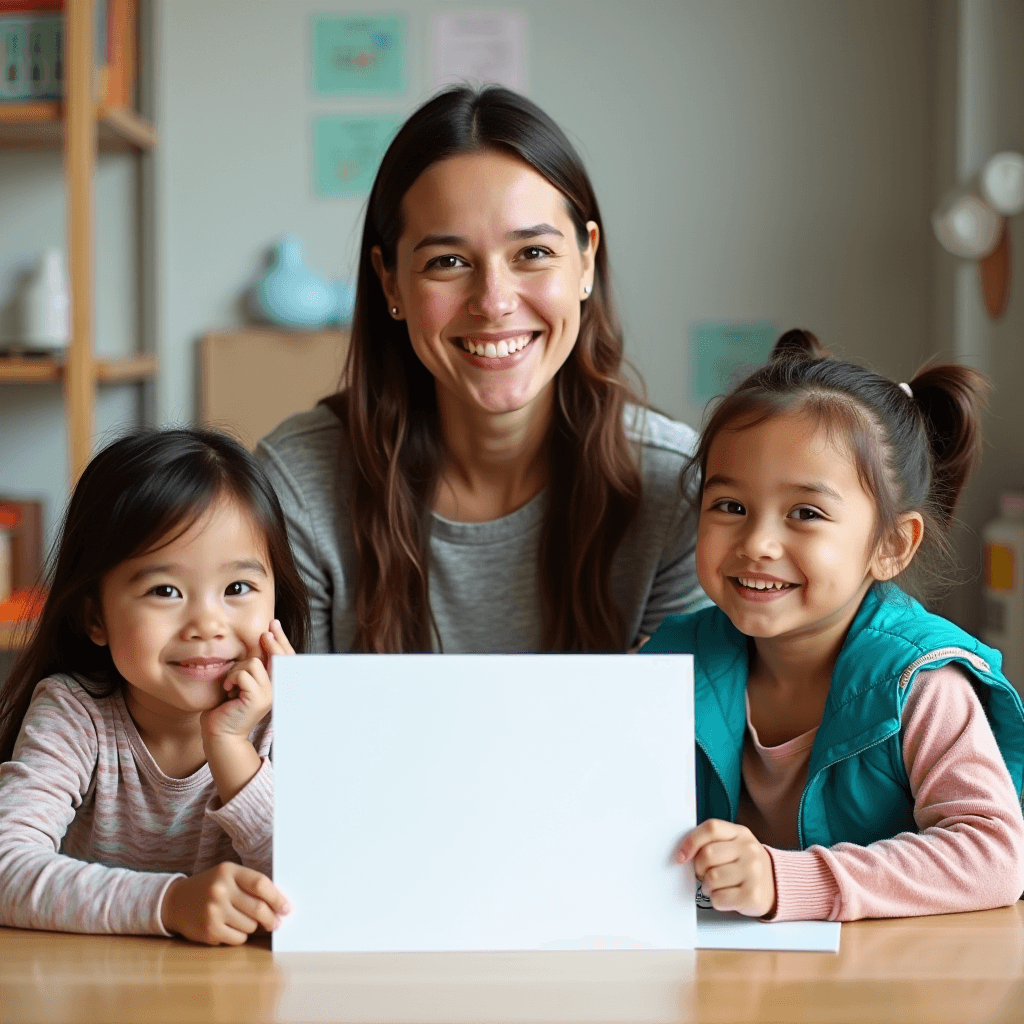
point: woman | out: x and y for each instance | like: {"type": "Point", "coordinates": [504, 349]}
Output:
{"type": "Point", "coordinates": [487, 482]}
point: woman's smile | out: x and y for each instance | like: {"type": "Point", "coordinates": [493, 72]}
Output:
{"type": "Point", "coordinates": [494, 350]}
{"type": "Point", "coordinates": [490, 274]}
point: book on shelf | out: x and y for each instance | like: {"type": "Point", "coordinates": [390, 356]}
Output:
{"type": "Point", "coordinates": [33, 51]}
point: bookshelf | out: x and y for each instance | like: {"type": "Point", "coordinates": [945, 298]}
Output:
{"type": "Point", "coordinates": [78, 127]}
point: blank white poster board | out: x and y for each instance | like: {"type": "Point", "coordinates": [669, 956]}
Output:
{"type": "Point", "coordinates": [483, 802]}
{"type": "Point", "coordinates": [718, 930]}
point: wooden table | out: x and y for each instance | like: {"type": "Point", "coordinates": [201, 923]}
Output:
{"type": "Point", "coordinates": [962, 969]}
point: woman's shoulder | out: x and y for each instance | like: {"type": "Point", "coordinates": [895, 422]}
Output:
{"type": "Point", "coordinates": [311, 432]}
{"type": "Point", "coordinates": [308, 447]}
{"type": "Point", "coordinates": [658, 435]}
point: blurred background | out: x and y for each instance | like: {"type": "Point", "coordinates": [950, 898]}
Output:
{"type": "Point", "coordinates": [760, 164]}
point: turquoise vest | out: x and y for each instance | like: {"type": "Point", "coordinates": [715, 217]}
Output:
{"type": "Point", "coordinates": [857, 788]}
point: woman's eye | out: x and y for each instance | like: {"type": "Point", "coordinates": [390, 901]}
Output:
{"type": "Point", "coordinates": [732, 508]}
{"type": "Point", "coordinates": [448, 262]}
{"type": "Point", "coordinates": [238, 589]}
{"type": "Point", "coordinates": [165, 590]}
{"type": "Point", "coordinates": [534, 252]}
{"type": "Point", "coordinates": [805, 514]}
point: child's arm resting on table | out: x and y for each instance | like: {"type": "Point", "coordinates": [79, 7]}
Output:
{"type": "Point", "coordinates": [39, 795]}
{"type": "Point", "coordinates": [225, 904]}
{"type": "Point", "coordinates": [969, 852]}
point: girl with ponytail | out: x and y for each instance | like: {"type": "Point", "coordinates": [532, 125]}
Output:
{"type": "Point", "coordinates": [857, 755]}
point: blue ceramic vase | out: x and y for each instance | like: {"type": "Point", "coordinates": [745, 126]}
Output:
{"type": "Point", "coordinates": [293, 296]}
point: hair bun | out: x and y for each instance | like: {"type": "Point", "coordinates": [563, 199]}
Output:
{"type": "Point", "coordinates": [799, 344]}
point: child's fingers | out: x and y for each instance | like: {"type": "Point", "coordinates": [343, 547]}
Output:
{"type": "Point", "coordinates": [275, 641]}
{"type": "Point", "coordinates": [723, 876]}
{"type": "Point", "coordinates": [258, 911]}
{"type": "Point", "coordinates": [732, 897]}
{"type": "Point", "coordinates": [248, 677]}
{"type": "Point", "coordinates": [262, 888]}
{"type": "Point", "coordinates": [710, 831]}
{"type": "Point", "coordinates": [715, 854]}
{"type": "Point", "coordinates": [228, 935]}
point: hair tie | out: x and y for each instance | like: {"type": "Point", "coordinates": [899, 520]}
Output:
{"type": "Point", "coordinates": [905, 388]}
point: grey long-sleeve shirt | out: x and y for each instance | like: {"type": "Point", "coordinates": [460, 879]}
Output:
{"type": "Point", "coordinates": [483, 580]}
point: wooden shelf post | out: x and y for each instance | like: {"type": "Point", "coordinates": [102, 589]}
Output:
{"type": "Point", "coordinates": [80, 167]}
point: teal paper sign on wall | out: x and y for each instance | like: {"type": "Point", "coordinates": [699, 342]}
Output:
{"type": "Point", "coordinates": [359, 56]}
{"type": "Point", "coordinates": [347, 152]}
{"type": "Point", "coordinates": [720, 354]}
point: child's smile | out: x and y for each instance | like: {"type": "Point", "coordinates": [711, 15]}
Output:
{"type": "Point", "coordinates": [179, 617]}
{"type": "Point", "coordinates": [785, 544]}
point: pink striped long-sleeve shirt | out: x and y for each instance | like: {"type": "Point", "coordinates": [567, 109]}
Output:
{"type": "Point", "coordinates": [92, 832]}
{"type": "Point", "coordinates": [968, 852]}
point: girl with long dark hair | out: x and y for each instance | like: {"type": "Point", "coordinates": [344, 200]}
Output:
{"type": "Point", "coordinates": [487, 480]}
{"type": "Point", "coordinates": [136, 789]}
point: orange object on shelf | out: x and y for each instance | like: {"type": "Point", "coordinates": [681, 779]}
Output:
{"type": "Point", "coordinates": [22, 606]}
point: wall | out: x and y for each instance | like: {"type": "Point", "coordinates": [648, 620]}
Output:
{"type": "Point", "coordinates": [978, 74]}
{"type": "Point", "coordinates": [763, 161]}
{"type": "Point", "coordinates": [753, 161]}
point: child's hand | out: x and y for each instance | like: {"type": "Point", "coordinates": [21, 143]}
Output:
{"type": "Point", "coordinates": [232, 758]}
{"type": "Point", "coordinates": [224, 904]}
{"type": "Point", "coordinates": [734, 869]}
{"type": "Point", "coordinates": [249, 692]}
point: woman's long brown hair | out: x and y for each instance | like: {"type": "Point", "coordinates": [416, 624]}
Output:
{"type": "Point", "coordinates": [390, 406]}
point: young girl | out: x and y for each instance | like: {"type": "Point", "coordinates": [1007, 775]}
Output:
{"type": "Point", "coordinates": [137, 791]}
{"type": "Point", "coordinates": [857, 756]}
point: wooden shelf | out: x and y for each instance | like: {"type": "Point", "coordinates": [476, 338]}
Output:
{"type": "Point", "coordinates": [40, 125]}
{"type": "Point", "coordinates": [23, 369]}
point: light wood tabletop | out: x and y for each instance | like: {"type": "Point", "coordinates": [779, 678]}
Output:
{"type": "Point", "coordinates": [960, 969]}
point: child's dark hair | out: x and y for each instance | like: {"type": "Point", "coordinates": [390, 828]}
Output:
{"type": "Point", "coordinates": [146, 487]}
{"type": "Point", "coordinates": [913, 452]}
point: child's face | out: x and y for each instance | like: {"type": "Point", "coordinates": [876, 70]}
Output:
{"type": "Point", "coordinates": [178, 617]}
{"type": "Point", "coordinates": [784, 543]}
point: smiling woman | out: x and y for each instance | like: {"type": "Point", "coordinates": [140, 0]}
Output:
{"type": "Point", "coordinates": [488, 481]}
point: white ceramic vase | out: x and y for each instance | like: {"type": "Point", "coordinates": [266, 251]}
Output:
{"type": "Point", "coordinates": [45, 304]}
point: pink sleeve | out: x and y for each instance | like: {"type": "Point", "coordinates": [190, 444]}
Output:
{"type": "Point", "coordinates": [969, 851]}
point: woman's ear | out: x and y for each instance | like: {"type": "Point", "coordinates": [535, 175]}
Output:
{"type": "Point", "coordinates": [94, 627]}
{"type": "Point", "coordinates": [386, 278]}
{"type": "Point", "coordinates": [894, 553]}
{"type": "Point", "coordinates": [588, 254]}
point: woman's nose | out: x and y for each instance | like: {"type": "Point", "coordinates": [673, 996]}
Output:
{"type": "Point", "coordinates": [494, 294]}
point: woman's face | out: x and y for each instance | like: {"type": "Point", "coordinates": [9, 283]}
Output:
{"type": "Point", "coordinates": [489, 278]}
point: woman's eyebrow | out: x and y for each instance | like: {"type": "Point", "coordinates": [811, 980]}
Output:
{"type": "Point", "coordinates": [535, 231]}
{"type": "Point", "coordinates": [429, 240]}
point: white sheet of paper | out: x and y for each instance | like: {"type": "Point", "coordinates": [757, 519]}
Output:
{"type": "Point", "coordinates": [717, 930]}
{"type": "Point", "coordinates": [483, 802]}
{"type": "Point", "coordinates": [479, 47]}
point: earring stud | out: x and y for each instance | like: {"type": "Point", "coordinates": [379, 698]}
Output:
{"type": "Point", "coordinates": [394, 311]}
{"type": "Point", "coordinates": [586, 289]}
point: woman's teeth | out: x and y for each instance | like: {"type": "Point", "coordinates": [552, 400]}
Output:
{"type": "Point", "coordinates": [503, 348]}
{"type": "Point", "coordinates": [763, 584]}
